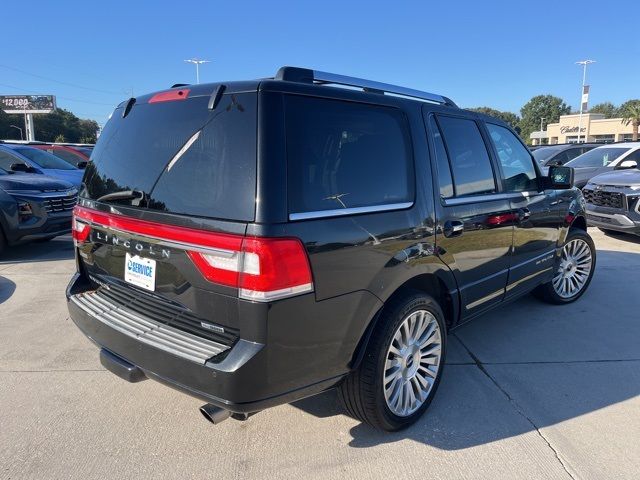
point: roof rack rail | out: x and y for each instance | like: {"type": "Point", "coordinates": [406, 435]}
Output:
{"type": "Point", "coordinates": [305, 75]}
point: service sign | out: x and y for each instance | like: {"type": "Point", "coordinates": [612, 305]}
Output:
{"type": "Point", "coordinates": [27, 103]}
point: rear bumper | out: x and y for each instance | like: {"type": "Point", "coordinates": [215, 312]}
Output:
{"type": "Point", "coordinates": [251, 376]}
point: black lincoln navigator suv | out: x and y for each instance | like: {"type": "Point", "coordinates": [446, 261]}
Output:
{"type": "Point", "coordinates": [252, 243]}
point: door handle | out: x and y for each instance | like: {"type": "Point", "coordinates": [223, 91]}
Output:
{"type": "Point", "coordinates": [523, 214]}
{"type": "Point", "coordinates": [453, 228]}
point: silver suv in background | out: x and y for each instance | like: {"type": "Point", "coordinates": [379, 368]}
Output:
{"type": "Point", "coordinates": [613, 201]}
{"type": "Point", "coordinates": [616, 156]}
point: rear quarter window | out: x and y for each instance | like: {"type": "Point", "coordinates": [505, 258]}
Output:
{"type": "Point", "coordinates": [344, 155]}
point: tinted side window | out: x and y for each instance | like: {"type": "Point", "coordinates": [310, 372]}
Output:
{"type": "Point", "coordinates": [635, 156]}
{"type": "Point", "coordinates": [346, 155]}
{"type": "Point", "coordinates": [516, 161]}
{"type": "Point", "coordinates": [444, 169]}
{"type": "Point", "coordinates": [6, 160]}
{"type": "Point", "coordinates": [574, 152]}
{"type": "Point", "coordinates": [470, 164]}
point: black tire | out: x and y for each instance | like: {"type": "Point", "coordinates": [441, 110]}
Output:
{"type": "Point", "coordinates": [547, 293]}
{"type": "Point", "coordinates": [362, 392]}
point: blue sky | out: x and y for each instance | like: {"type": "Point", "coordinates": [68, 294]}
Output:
{"type": "Point", "coordinates": [499, 54]}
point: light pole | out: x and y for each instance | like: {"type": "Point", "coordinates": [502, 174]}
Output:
{"type": "Point", "coordinates": [197, 62]}
{"type": "Point", "coordinates": [21, 136]}
{"type": "Point", "coordinates": [540, 140]}
{"type": "Point", "coordinates": [584, 64]}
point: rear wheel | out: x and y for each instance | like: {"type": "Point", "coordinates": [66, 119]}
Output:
{"type": "Point", "coordinates": [573, 271]}
{"type": "Point", "coordinates": [401, 370]}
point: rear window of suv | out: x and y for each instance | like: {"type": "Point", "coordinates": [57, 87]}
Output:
{"type": "Point", "coordinates": [346, 155]}
{"type": "Point", "coordinates": [185, 158]}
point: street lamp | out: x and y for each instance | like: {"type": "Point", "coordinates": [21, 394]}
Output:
{"type": "Point", "coordinates": [542, 119]}
{"type": "Point", "coordinates": [197, 62]}
{"type": "Point", "coordinates": [13, 126]}
{"type": "Point", "coordinates": [584, 64]}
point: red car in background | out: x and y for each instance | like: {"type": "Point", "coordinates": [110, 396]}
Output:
{"type": "Point", "coordinates": [71, 155]}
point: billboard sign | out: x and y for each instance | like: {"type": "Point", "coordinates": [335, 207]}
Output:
{"type": "Point", "coordinates": [27, 103]}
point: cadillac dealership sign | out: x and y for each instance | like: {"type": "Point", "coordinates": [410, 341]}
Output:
{"type": "Point", "coordinates": [567, 129]}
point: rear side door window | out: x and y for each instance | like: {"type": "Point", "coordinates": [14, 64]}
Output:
{"type": "Point", "coordinates": [516, 160]}
{"type": "Point", "coordinates": [343, 155]}
{"type": "Point", "coordinates": [470, 163]}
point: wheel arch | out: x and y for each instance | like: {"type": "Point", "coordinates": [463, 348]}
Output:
{"type": "Point", "coordinates": [429, 283]}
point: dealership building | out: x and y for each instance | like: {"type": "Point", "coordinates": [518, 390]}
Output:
{"type": "Point", "coordinates": [593, 128]}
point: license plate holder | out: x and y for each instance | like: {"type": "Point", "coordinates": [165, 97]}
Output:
{"type": "Point", "coordinates": [140, 271]}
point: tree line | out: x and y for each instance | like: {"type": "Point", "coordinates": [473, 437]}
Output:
{"type": "Point", "coordinates": [551, 108]}
{"type": "Point", "coordinates": [58, 126]}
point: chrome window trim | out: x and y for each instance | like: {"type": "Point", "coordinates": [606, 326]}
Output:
{"type": "Point", "coordinates": [449, 202]}
{"type": "Point", "coordinates": [349, 211]}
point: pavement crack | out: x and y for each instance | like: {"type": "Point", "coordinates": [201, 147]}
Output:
{"type": "Point", "coordinates": [515, 405]}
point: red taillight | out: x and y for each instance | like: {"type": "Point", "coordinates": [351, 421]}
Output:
{"type": "Point", "coordinates": [262, 269]}
{"type": "Point", "coordinates": [170, 96]}
{"type": "Point", "coordinates": [79, 230]}
{"type": "Point", "coordinates": [274, 268]}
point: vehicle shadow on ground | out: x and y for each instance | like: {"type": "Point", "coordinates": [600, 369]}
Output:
{"type": "Point", "coordinates": [7, 287]}
{"type": "Point", "coordinates": [537, 365]}
{"type": "Point", "coordinates": [60, 248]}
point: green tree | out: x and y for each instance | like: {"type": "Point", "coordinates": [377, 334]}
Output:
{"type": "Point", "coordinates": [607, 108]}
{"type": "Point", "coordinates": [541, 106]}
{"type": "Point", "coordinates": [630, 113]}
{"type": "Point", "coordinates": [50, 126]}
{"type": "Point", "coordinates": [508, 117]}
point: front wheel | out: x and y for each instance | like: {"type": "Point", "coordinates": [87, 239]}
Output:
{"type": "Point", "coordinates": [402, 366]}
{"type": "Point", "coordinates": [573, 270]}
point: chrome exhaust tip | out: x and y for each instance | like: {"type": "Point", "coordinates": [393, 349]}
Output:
{"type": "Point", "coordinates": [214, 414]}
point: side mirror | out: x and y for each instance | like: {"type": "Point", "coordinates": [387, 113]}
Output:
{"type": "Point", "coordinates": [21, 167]}
{"type": "Point", "coordinates": [82, 165]}
{"type": "Point", "coordinates": [627, 164]}
{"type": "Point", "coordinates": [560, 178]}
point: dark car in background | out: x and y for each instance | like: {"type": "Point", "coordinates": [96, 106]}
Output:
{"type": "Point", "coordinates": [25, 159]}
{"type": "Point", "coordinates": [605, 158]}
{"type": "Point", "coordinates": [547, 155]}
{"type": "Point", "coordinates": [33, 207]}
{"type": "Point", "coordinates": [73, 156]}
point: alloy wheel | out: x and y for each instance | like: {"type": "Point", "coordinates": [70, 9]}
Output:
{"type": "Point", "coordinates": [574, 268]}
{"type": "Point", "coordinates": [412, 363]}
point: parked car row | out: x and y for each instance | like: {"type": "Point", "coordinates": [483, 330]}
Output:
{"type": "Point", "coordinates": [39, 185]}
{"type": "Point", "coordinates": [609, 178]}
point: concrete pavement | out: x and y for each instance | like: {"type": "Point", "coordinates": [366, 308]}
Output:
{"type": "Point", "coordinates": [530, 391]}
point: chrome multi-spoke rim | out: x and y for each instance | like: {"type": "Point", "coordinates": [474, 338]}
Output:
{"type": "Point", "coordinates": [412, 363]}
{"type": "Point", "coordinates": [574, 268]}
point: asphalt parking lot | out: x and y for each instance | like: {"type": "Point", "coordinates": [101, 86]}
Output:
{"type": "Point", "coordinates": [530, 391]}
